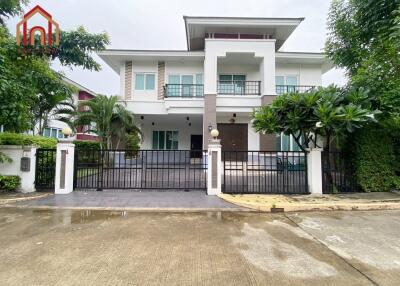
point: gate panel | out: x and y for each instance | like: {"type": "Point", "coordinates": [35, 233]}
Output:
{"type": "Point", "coordinates": [142, 169]}
{"type": "Point", "coordinates": [45, 172]}
{"type": "Point", "coordinates": [261, 172]}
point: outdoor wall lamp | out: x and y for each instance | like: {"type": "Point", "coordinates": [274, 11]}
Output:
{"type": "Point", "coordinates": [66, 131]}
{"type": "Point", "coordinates": [210, 127]}
{"type": "Point", "coordinates": [214, 133]}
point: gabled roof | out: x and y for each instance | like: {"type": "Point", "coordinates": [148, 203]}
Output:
{"type": "Point", "coordinates": [197, 27]}
{"type": "Point", "coordinates": [78, 86]}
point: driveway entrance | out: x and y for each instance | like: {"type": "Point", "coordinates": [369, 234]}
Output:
{"type": "Point", "coordinates": [140, 169]}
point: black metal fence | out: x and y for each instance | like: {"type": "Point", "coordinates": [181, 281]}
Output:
{"type": "Point", "coordinates": [45, 169]}
{"type": "Point", "coordinates": [183, 90]}
{"type": "Point", "coordinates": [261, 172]}
{"type": "Point", "coordinates": [239, 87]}
{"type": "Point", "coordinates": [142, 169]}
{"type": "Point", "coordinates": [282, 89]}
{"type": "Point", "coordinates": [337, 174]}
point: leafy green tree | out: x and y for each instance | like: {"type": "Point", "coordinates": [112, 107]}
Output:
{"type": "Point", "coordinates": [325, 113]}
{"type": "Point", "coordinates": [364, 39]}
{"type": "Point", "coordinates": [34, 86]}
{"type": "Point", "coordinates": [104, 113]}
{"type": "Point", "coordinates": [10, 8]}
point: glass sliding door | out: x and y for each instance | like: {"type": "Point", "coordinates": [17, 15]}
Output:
{"type": "Point", "coordinates": [174, 88]}
{"type": "Point", "coordinates": [240, 84]}
{"type": "Point", "coordinates": [187, 85]}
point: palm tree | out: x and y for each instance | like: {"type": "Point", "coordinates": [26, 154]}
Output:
{"type": "Point", "coordinates": [103, 114]}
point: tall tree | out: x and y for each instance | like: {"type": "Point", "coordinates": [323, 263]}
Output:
{"type": "Point", "coordinates": [10, 8]}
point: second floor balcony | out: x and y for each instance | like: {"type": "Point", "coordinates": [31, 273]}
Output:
{"type": "Point", "coordinates": [183, 90]}
{"type": "Point", "coordinates": [282, 89]}
{"type": "Point", "coordinates": [239, 87]}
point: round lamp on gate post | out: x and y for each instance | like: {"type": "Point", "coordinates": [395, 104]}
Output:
{"type": "Point", "coordinates": [66, 131]}
{"type": "Point", "coordinates": [214, 133]}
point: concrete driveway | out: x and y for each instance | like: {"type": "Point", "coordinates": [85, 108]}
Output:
{"type": "Point", "coordinates": [71, 247]}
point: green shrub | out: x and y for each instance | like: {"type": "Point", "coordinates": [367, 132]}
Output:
{"type": "Point", "coordinates": [132, 144]}
{"type": "Point", "coordinates": [86, 144]}
{"type": "Point", "coordinates": [27, 140]}
{"type": "Point", "coordinates": [9, 183]}
{"type": "Point", "coordinates": [373, 159]}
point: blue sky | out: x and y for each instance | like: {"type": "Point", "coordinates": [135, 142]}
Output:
{"type": "Point", "coordinates": [152, 24]}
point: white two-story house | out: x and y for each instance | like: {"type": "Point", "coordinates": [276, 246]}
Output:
{"type": "Point", "coordinates": [230, 67]}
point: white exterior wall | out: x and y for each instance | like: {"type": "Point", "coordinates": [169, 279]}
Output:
{"type": "Point", "coordinates": [307, 74]}
{"type": "Point", "coordinates": [182, 126]}
{"type": "Point", "coordinates": [252, 72]}
{"type": "Point", "coordinates": [183, 68]}
{"type": "Point", "coordinates": [144, 67]}
{"type": "Point", "coordinates": [217, 48]}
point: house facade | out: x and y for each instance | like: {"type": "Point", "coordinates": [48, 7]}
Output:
{"type": "Point", "coordinates": [231, 66]}
{"type": "Point", "coordinates": [54, 128]}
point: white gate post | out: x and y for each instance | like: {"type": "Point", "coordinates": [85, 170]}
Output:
{"type": "Point", "coordinates": [64, 181]}
{"type": "Point", "coordinates": [314, 171]}
{"type": "Point", "coordinates": [214, 167]}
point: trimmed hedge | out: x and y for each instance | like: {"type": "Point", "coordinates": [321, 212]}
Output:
{"type": "Point", "coordinates": [373, 158]}
{"type": "Point", "coordinates": [86, 144]}
{"type": "Point", "coordinates": [27, 140]}
{"type": "Point", "coordinates": [9, 183]}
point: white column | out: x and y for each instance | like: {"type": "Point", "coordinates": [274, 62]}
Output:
{"type": "Point", "coordinates": [214, 169]}
{"type": "Point", "coordinates": [64, 181]}
{"type": "Point", "coordinates": [314, 171]}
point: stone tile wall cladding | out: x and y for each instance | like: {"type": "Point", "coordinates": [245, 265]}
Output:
{"type": "Point", "coordinates": [128, 80]}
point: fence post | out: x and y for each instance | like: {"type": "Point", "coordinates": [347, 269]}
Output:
{"type": "Point", "coordinates": [214, 167]}
{"type": "Point", "coordinates": [64, 181]}
{"type": "Point", "coordinates": [314, 171]}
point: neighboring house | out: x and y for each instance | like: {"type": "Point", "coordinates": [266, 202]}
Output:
{"type": "Point", "coordinates": [55, 127]}
{"type": "Point", "coordinates": [232, 66]}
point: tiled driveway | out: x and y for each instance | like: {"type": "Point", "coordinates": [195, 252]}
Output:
{"type": "Point", "coordinates": [125, 199]}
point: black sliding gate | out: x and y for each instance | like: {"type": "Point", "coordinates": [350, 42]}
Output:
{"type": "Point", "coordinates": [45, 172]}
{"type": "Point", "coordinates": [141, 169]}
{"type": "Point", "coordinates": [263, 172]}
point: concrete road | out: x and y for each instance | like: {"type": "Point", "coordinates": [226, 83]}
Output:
{"type": "Point", "coordinates": [49, 247]}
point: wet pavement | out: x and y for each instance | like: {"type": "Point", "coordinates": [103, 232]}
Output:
{"type": "Point", "coordinates": [133, 200]}
{"type": "Point", "coordinates": [71, 247]}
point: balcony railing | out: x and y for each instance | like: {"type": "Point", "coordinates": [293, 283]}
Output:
{"type": "Point", "coordinates": [282, 89]}
{"type": "Point", "coordinates": [239, 87]}
{"type": "Point", "coordinates": [183, 90]}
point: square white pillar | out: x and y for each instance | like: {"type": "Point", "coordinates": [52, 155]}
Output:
{"type": "Point", "coordinates": [214, 167]}
{"type": "Point", "coordinates": [314, 171]}
{"type": "Point", "coordinates": [64, 181]}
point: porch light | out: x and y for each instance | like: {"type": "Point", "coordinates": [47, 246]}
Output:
{"type": "Point", "coordinates": [66, 131]}
{"type": "Point", "coordinates": [214, 133]}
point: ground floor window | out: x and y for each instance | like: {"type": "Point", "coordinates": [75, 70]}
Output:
{"type": "Point", "coordinates": [286, 143]}
{"type": "Point", "coordinates": [53, 132]}
{"type": "Point", "coordinates": [165, 140]}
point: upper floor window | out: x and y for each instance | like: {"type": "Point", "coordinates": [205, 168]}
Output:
{"type": "Point", "coordinates": [232, 83]}
{"type": "Point", "coordinates": [53, 132]}
{"type": "Point", "coordinates": [286, 83]}
{"type": "Point", "coordinates": [145, 81]}
{"type": "Point", "coordinates": [185, 85]}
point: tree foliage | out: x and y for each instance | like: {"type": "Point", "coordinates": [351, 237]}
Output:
{"type": "Point", "coordinates": [325, 113]}
{"type": "Point", "coordinates": [10, 8]}
{"type": "Point", "coordinates": [31, 92]}
{"type": "Point", "coordinates": [103, 114]}
{"type": "Point", "coordinates": [364, 38]}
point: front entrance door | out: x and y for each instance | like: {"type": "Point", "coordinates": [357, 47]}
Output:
{"type": "Point", "coordinates": [234, 138]}
{"type": "Point", "coordinates": [196, 143]}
